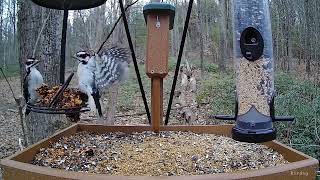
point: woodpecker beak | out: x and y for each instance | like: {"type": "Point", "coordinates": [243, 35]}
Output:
{"type": "Point", "coordinates": [75, 57]}
{"type": "Point", "coordinates": [35, 63]}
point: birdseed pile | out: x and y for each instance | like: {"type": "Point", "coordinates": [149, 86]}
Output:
{"type": "Point", "coordinates": [71, 97]}
{"type": "Point", "coordinates": [255, 85]}
{"type": "Point", "coordinates": [149, 154]}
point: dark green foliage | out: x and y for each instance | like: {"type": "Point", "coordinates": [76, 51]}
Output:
{"type": "Point", "coordinates": [172, 64]}
{"type": "Point", "coordinates": [218, 89]}
{"type": "Point", "coordinates": [209, 67]}
{"type": "Point", "coordinates": [129, 91]}
{"type": "Point", "coordinates": [300, 99]}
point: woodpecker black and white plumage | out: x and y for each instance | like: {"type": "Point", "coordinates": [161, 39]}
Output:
{"type": "Point", "coordinates": [97, 72]}
{"type": "Point", "coordinates": [32, 81]}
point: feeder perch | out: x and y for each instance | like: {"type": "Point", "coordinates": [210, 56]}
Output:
{"type": "Point", "coordinates": [253, 56]}
{"type": "Point", "coordinates": [159, 18]}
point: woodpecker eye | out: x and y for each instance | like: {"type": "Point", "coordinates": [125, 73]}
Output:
{"type": "Point", "coordinates": [29, 63]}
{"type": "Point", "coordinates": [82, 55]}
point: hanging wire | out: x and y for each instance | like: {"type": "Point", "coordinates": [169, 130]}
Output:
{"type": "Point", "coordinates": [125, 22]}
{"type": "Point", "coordinates": [183, 40]}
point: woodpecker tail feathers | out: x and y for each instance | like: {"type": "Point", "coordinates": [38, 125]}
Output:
{"type": "Point", "coordinates": [27, 112]}
{"type": "Point", "coordinates": [96, 98]}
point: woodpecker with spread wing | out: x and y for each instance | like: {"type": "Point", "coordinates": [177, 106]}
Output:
{"type": "Point", "coordinates": [100, 71]}
{"type": "Point", "coordinates": [32, 81]}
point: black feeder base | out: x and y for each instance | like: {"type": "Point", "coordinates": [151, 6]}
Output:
{"type": "Point", "coordinates": [254, 137]}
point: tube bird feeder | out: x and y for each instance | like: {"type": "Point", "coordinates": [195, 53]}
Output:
{"type": "Point", "coordinates": [253, 57]}
{"type": "Point", "coordinates": [160, 19]}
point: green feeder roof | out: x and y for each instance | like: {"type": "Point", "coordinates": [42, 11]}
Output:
{"type": "Point", "coordinates": [156, 7]}
{"type": "Point", "coordinates": [69, 4]}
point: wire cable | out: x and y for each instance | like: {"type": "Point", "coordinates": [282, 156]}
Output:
{"type": "Point", "coordinates": [183, 40]}
{"type": "Point", "coordinates": [125, 22]}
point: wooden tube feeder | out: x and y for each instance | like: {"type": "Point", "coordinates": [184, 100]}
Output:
{"type": "Point", "coordinates": [159, 18]}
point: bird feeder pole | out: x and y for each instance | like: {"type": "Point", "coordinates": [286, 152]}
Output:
{"type": "Point", "coordinates": [63, 45]}
{"type": "Point", "coordinates": [159, 18]}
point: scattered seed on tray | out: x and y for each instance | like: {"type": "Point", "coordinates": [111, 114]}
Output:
{"type": "Point", "coordinates": [150, 154]}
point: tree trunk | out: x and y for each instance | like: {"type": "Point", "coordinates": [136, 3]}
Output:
{"type": "Point", "coordinates": [50, 46]}
{"type": "Point", "coordinates": [187, 97]}
{"type": "Point", "coordinates": [309, 20]}
{"type": "Point", "coordinates": [201, 30]}
{"type": "Point", "coordinates": [223, 36]}
{"type": "Point", "coordinates": [1, 39]}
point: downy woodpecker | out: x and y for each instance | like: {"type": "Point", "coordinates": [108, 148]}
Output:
{"type": "Point", "coordinates": [32, 81]}
{"type": "Point", "coordinates": [101, 71]}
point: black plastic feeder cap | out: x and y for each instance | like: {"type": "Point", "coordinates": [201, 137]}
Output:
{"type": "Point", "coordinates": [254, 127]}
{"type": "Point", "coordinates": [156, 7]}
{"type": "Point", "coordinates": [69, 4]}
{"type": "Point", "coordinates": [254, 136]}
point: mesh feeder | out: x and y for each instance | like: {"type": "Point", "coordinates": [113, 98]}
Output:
{"type": "Point", "coordinates": [72, 112]}
{"type": "Point", "coordinates": [253, 57]}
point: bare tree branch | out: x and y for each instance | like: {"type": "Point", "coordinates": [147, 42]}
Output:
{"type": "Point", "coordinates": [5, 77]}
{"type": "Point", "coordinates": [19, 102]}
{"type": "Point", "coordinates": [115, 25]}
{"type": "Point", "coordinates": [88, 46]}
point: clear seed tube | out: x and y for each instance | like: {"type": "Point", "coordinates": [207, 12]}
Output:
{"type": "Point", "coordinates": [253, 55]}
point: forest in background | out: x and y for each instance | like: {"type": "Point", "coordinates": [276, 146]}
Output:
{"type": "Point", "coordinates": [295, 32]}
{"type": "Point", "coordinates": [295, 26]}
